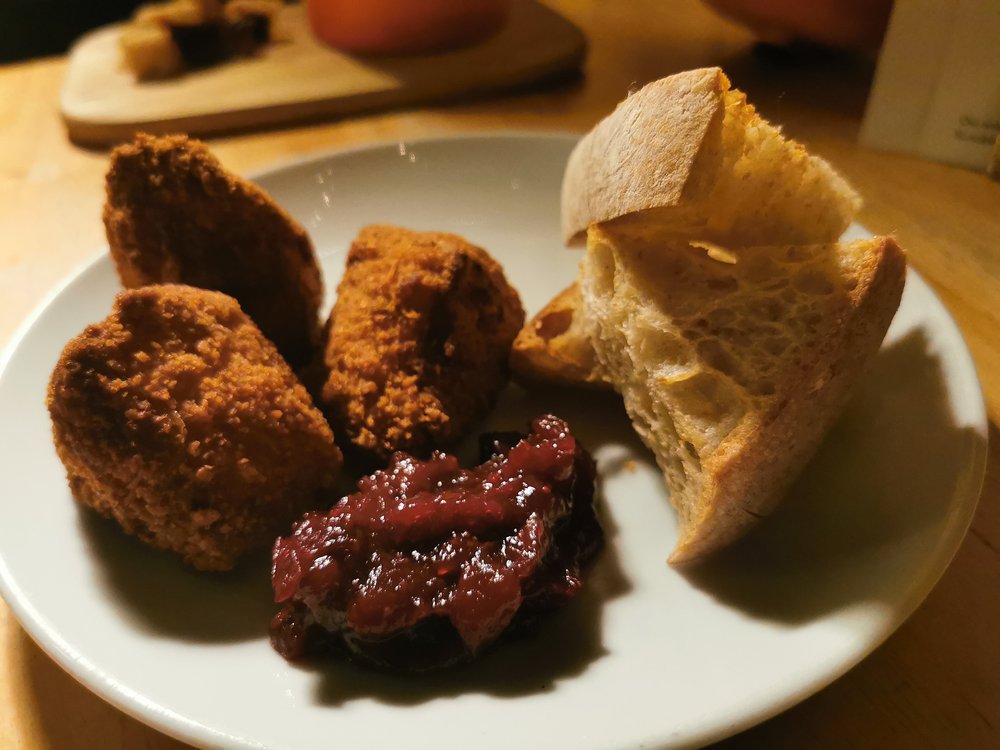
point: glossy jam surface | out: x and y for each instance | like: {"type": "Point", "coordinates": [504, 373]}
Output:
{"type": "Point", "coordinates": [429, 562]}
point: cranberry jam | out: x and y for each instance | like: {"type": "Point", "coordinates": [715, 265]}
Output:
{"type": "Point", "coordinates": [428, 562]}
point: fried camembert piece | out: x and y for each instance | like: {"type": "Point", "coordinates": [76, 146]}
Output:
{"type": "Point", "coordinates": [175, 215]}
{"type": "Point", "coordinates": [418, 341]}
{"type": "Point", "coordinates": [177, 418]}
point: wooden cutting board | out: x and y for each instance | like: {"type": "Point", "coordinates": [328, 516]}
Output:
{"type": "Point", "coordinates": [301, 79]}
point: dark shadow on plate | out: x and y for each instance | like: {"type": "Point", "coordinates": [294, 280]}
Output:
{"type": "Point", "coordinates": [596, 416]}
{"type": "Point", "coordinates": [158, 594]}
{"type": "Point", "coordinates": [868, 509]}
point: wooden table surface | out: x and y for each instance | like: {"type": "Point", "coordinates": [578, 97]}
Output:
{"type": "Point", "coordinates": [934, 684]}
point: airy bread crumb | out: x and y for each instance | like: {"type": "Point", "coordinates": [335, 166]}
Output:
{"type": "Point", "coordinates": [732, 372]}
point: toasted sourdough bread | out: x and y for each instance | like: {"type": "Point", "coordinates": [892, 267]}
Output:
{"type": "Point", "coordinates": [689, 153]}
{"type": "Point", "coordinates": [554, 346]}
{"type": "Point", "coordinates": [733, 367]}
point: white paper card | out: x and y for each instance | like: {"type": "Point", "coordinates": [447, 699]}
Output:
{"type": "Point", "coordinates": [937, 88]}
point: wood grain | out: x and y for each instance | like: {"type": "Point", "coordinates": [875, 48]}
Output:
{"type": "Point", "coordinates": [300, 79]}
{"type": "Point", "coordinates": [934, 684]}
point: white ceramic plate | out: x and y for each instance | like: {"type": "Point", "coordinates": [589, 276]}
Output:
{"type": "Point", "coordinates": [646, 658]}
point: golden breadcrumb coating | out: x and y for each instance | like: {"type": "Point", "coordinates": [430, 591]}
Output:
{"type": "Point", "coordinates": [418, 340]}
{"type": "Point", "coordinates": [175, 215]}
{"type": "Point", "coordinates": [178, 419]}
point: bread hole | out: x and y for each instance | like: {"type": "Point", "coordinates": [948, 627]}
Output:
{"type": "Point", "coordinates": [771, 309]}
{"type": "Point", "coordinates": [666, 349]}
{"type": "Point", "coordinates": [716, 356]}
{"type": "Point", "coordinates": [763, 270]}
{"type": "Point", "coordinates": [554, 324]}
{"type": "Point", "coordinates": [724, 284]}
{"type": "Point", "coordinates": [811, 281]}
{"type": "Point", "coordinates": [775, 346]}
{"type": "Point", "coordinates": [692, 455]}
{"type": "Point", "coordinates": [720, 317]}
{"type": "Point", "coordinates": [762, 388]}
{"type": "Point", "coordinates": [710, 403]}
{"type": "Point", "coordinates": [795, 254]}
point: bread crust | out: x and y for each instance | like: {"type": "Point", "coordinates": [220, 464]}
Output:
{"type": "Point", "coordinates": [731, 383]}
{"type": "Point", "coordinates": [731, 377]}
{"type": "Point", "coordinates": [641, 155]}
{"type": "Point", "coordinates": [690, 154]}
{"type": "Point", "coordinates": [554, 346]}
{"type": "Point", "coordinates": [752, 471]}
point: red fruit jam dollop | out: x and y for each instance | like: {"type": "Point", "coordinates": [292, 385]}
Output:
{"type": "Point", "coordinates": [429, 562]}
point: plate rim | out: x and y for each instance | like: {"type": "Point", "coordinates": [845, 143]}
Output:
{"type": "Point", "coordinates": [134, 704]}
{"type": "Point", "coordinates": [286, 164]}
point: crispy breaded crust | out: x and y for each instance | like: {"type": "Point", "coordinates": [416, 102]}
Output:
{"type": "Point", "coordinates": [178, 419]}
{"type": "Point", "coordinates": [418, 340]}
{"type": "Point", "coordinates": [175, 215]}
